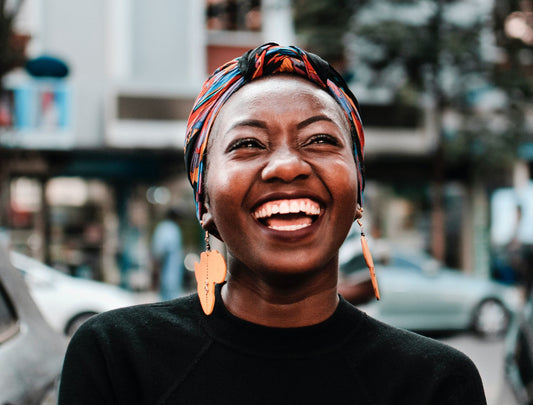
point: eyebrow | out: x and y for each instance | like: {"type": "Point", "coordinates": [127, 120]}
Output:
{"type": "Point", "coordinates": [313, 119]}
{"type": "Point", "coordinates": [263, 125]}
{"type": "Point", "coordinates": [250, 123]}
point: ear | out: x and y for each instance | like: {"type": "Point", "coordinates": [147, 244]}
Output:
{"type": "Point", "coordinates": [208, 223]}
{"type": "Point", "coordinates": [358, 212]}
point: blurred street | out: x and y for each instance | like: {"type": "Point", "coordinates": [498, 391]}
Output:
{"type": "Point", "coordinates": [488, 357]}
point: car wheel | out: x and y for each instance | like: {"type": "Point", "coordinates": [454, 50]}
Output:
{"type": "Point", "coordinates": [490, 319]}
{"type": "Point", "coordinates": [76, 322]}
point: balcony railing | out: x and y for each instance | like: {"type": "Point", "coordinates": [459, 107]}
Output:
{"type": "Point", "coordinates": [37, 114]}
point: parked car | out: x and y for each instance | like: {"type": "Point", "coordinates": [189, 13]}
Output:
{"type": "Point", "coordinates": [517, 388]}
{"type": "Point", "coordinates": [31, 352]}
{"type": "Point", "coordinates": [420, 294]}
{"type": "Point", "coordinates": [65, 301]}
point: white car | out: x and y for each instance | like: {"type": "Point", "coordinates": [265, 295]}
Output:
{"type": "Point", "coordinates": [420, 294]}
{"type": "Point", "coordinates": [66, 302]}
{"type": "Point", "coordinates": [31, 353]}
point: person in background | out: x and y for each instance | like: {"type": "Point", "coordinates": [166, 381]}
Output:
{"type": "Point", "coordinates": [167, 255]}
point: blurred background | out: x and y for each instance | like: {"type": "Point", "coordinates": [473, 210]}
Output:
{"type": "Point", "coordinates": [94, 98]}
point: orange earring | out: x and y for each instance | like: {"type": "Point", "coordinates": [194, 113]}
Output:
{"type": "Point", "coordinates": [368, 259]}
{"type": "Point", "coordinates": [210, 270]}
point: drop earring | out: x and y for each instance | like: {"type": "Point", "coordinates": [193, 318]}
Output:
{"type": "Point", "coordinates": [210, 270]}
{"type": "Point", "coordinates": [368, 259]}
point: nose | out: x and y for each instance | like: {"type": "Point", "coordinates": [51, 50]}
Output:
{"type": "Point", "coordinates": [286, 165]}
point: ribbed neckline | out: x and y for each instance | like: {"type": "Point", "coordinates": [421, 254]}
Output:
{"type": "Point", "coordinates": [264, 341]}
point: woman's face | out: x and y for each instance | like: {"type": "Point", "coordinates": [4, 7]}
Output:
{"type": "Point", "coordinates": [281, 178]}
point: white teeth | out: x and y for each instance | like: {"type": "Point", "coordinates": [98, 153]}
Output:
{"type": "Point", "coordinates": [295, 206]}
{"type": "Point", "coordinates": [284, 207]}
{"type": "Point", "coordinates": [289, 227]}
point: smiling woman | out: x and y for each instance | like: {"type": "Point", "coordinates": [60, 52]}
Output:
{"type": "Point", "coordinates": [297, 153]}
{"type": "Point", "coordinates": [274, 151]}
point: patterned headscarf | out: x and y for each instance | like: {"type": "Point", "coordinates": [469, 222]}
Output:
{"type": "Point", "coordinates": [265, 60]}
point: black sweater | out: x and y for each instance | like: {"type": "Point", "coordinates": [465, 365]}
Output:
{"type": "Point", "coordinates": [171, 353]}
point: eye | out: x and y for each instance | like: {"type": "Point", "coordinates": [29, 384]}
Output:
{"type": "Point", "coordinates": [245, 143]}
{"type": "Point", "coordinates": [323, 139]}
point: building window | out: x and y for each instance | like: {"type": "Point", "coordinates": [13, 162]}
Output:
{"type": "Point", "coordinates": [233, 15]}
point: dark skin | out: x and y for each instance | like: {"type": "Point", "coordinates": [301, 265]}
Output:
{"type": "Point", "coordinates": [281, 140]}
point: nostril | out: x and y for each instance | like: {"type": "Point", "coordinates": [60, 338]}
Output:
{"type": "Point", "coordinates": [286, 168]}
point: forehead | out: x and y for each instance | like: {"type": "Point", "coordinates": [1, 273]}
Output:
{"type": "Point", "coordinates": [282, 96]}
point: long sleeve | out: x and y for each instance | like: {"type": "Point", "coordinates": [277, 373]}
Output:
{"type": "Point", "coordinates": [85, 378]}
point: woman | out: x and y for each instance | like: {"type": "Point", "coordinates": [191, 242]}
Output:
{"type": "Point", "coordinates": [274, 153]}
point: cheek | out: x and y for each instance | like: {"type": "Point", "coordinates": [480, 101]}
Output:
{"type": "Point", "coordinates": [342, 178]}
{"type": "Point", "coordinates": [343, 187]}
{"type": "Point", "coordinates": [345, 194]}
{"type": "Point", "coordinates": [225, 190]}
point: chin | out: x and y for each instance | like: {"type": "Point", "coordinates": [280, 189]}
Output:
{"type": "Point", "coordinates": [293, 274]}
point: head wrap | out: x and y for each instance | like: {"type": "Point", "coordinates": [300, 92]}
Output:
{"type": "Point", "coordinates": [265, 60]}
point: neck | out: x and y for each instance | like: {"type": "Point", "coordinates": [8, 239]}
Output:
{"type": "Point", "coordinates": [310, 301]}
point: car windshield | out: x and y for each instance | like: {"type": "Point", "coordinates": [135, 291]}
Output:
{"type": "Point", "coordinates": [418, 261]}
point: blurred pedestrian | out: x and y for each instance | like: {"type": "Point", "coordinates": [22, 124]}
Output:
{"type": "Point", "coordinates": [134, 258]}
{"type": "Point", "coordinates": [167, 254]}
{"type": "Point", "coordinates": [514, 261]}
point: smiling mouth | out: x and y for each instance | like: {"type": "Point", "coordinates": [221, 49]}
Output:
{"type": "Point", "coordinates": [288, 215]}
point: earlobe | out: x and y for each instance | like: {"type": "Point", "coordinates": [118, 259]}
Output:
{"type": "Point", "coordinates": [358, 212]}
{"type": "Point", "coordinates": [208, 224]}
{"type": "Point", "coordinates": [207, 221]}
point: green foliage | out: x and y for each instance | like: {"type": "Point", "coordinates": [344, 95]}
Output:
{"type": "Point", "coordinates": [512, 73]}
{"type": "Point", "coordinates": [425, 48]}
{"type": "Point", "coordinates": [444, 57]}
{"type": "Point", "coordinates": [322, 24]}
{"type": "Point", "coordinates": [416, 48]}
{"type": "Point", "coordinates": [12, 46]}
{"type": "Point", "coordinates": [485, 149]}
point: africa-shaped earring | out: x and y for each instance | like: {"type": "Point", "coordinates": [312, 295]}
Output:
{"type": "Point", "coordinates": [368, 259]}
{"type": "Point", "coordinates": [210, 270]}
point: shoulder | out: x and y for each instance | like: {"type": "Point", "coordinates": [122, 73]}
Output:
{"type": "Point", "coordinates": [421, 369]}
{"type": "Point", "coordinates": [135, 351]}
{"type": "Point", "coordinates": [384, 348]}
{"type": "Point", "coordinates": [401, 346]}
{"type": "Point", "coordinates": [148, 324]}
{"type": "Point", "coordinates": [151, 336]}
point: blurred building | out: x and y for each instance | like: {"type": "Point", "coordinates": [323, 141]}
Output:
{"type": "Point", "coordinates": [412, 187]}
{"type": "Point", "coordinates": [89, 162]}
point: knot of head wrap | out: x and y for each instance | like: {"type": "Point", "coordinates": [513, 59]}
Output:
{"type": "Point", "coordinates": [265, 60]}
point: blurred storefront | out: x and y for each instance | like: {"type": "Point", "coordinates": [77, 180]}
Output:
{"type": "Point", "coordinates": [90, 161]}
{"type": "Point", "coordinates": [78, 210]}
